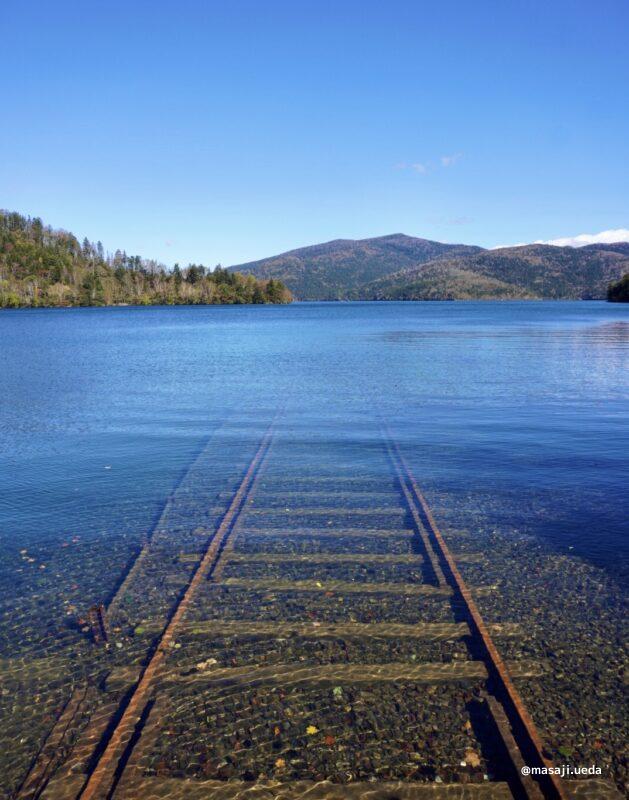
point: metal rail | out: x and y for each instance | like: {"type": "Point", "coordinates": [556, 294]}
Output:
{"type": "Point", "coordinates": [102, 777]}
{"type": "Point", "coordinates": [523, 727]}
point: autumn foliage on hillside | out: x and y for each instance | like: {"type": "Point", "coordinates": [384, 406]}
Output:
{"type": "Point", "coordinates": [42, 267]}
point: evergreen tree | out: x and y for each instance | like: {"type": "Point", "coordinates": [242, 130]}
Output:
{"type": "Point", "coordinates": [177, 277]}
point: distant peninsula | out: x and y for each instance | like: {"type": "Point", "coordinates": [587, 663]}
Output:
{"type": "Point", "coordinates": [42, 267]}
{"type": "Point", "coordinates": [400, 267]}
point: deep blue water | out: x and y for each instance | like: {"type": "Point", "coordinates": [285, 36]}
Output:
{"type": "Point", "coordinates": [514, 411]}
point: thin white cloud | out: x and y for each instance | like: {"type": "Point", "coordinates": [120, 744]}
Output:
{"type": "Point", "coordinates": [449, 161]}
{"type": "Point", "coordinates": [421, 169]}
{"type": "Point", "coordinates": [604, 237]}
{"type": "Point", "coordinates": [611, 236]}
{"type": "Point", "coordinates": [424, 167]}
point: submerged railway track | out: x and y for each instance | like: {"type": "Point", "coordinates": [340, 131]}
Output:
{"type": "Point", "coordinates": [288, 664]}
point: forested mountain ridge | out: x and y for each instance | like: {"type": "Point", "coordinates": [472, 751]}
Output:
{"type": "Point", "coordinates": [526, 272]}
{"type": "Point", "coordinates": [332, 271]}
{"type": "Point", "coordinates": [42, 267]}
{"type": "Point", "coordinates": [405, 268]}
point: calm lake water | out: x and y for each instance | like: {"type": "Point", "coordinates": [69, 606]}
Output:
{"type": "Point", "coordinates": [522, 405]}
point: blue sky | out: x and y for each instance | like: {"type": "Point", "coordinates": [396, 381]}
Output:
{"type": "Point", "coordinates": [228, 131]}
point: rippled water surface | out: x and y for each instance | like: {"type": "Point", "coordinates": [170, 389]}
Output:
{"type": "Point", "coordinates": [102, 409]}
{"type": "Point", "coordinates": [513, 418]}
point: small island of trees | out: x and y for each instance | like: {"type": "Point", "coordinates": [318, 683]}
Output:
{"type": "Point", "coordinates": [42, 267]}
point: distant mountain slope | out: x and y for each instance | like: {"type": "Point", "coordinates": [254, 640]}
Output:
{"type": "Point", "coordinates": [336, 269]}
{"type": "Point", "coordinates": [533, 271]}
{"type": "Point", "coordinates": [400, 267]}
{"type": "Point", "coordinates": [617, 247]}
{"type": "Point", "coordinates": [438, 280]}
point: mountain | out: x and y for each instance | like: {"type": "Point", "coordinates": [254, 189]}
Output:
{"type": "Point", "coordinates": [400, 267]}
{"type": "Point", "coordinates": [43, 267]}
{"type": "Point", "coordinates": [334, 270]}
{"type": "Point", "coordinates": [533, 272]}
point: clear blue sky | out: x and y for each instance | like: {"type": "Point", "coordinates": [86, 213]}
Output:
{"type": "Point", "coordinates": [227, 131]}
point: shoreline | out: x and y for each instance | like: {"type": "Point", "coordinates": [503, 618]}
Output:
{"type": "Point", "coordinates": [296, 302]}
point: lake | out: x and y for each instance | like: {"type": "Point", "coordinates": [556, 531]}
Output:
{"type": "Point", "coordinates": [512, 417]}
{"type": "Point", "coordinates": [526, 403]}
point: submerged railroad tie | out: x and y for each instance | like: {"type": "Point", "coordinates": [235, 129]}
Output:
{"type": "Point", "coordinates": [293, 674]}
{"type": "Point", "coordinates": [368, 559]}
{"type": "Point", "coordinates": [430, 631]}
{"type": "Point", "coordinates": [311, 532]}
{"type": "Point", "coordinates": [337, 587]}
{"type": "Point", "coordinates": [329, 630]}
{"type": "Point", "coordinates": [314, 494]}
{"type": "Point", "coordinates": [296, 674]}
{"type": "Point", "coordinates": [100, 782]}
{"type": "Point", "coordinates": [521, 723]}
{"type": "Point", "coordinates": [327, 511]}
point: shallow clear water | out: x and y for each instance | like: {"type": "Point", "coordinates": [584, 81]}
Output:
{"type": "Point", "coordinates": [521, 405]}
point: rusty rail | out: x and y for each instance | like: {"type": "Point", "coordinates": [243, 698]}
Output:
{"type": "Point", "coordinates": [520, 720]}
{"type": "Point", "coordinates": [102, 777]}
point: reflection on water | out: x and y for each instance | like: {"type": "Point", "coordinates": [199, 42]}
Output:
{"type": "Point", "coordinates": [119, 426]}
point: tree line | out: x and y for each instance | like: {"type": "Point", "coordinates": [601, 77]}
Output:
{"type": "Point", "coordinates": [43, 267]}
